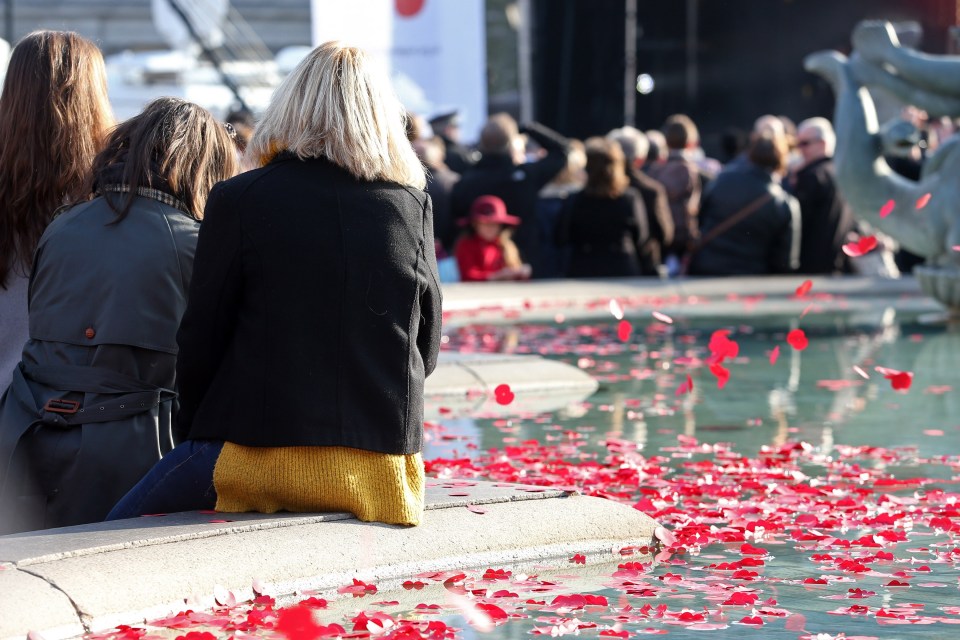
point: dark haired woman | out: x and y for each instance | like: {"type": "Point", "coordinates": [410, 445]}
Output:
{"type": "Point", "coordinates": [89, 409]}
{"type": "Point", "coordinates": [748, 224]}
{"type": "Point", "coordinates": [54, 117]}
{"type": "Point", "coordinates": [605, 225]}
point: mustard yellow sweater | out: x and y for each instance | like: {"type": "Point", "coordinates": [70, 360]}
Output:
{"type": "Point", "coordinates": [373, 486]}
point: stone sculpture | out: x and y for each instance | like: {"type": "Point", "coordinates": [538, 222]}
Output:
{"type": "Point", "coordinates": [925, 215]}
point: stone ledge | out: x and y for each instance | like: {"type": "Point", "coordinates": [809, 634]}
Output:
{"type": "Point", "coordinates": [61, 582]}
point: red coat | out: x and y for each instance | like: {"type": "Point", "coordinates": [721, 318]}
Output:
{"type": "Point", "coordinates": [478, 259]}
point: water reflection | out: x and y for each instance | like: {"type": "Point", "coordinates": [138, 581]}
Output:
{"type": "Point", "coordinates": [815, 395]}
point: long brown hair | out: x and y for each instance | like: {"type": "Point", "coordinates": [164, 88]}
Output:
{"type": "Point", "coordinates": [606, 168]}
{"type": "Point", "coordinates": [173, 146]}
{"type": "Point", "coordinates": [54, 115]}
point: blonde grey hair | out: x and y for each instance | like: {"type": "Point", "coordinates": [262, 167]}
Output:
{"type": "Point", "coordinates": [633, 142]}
{"type": "Point", "coordinates": [822, 130]}
{"type": "Point", "coordinates": [339, 105]}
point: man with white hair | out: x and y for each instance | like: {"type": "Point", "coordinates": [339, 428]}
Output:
{"type": "Point", "coordinates": [826, 218]}
{"type": "Point", "coordinates": [660, 221]}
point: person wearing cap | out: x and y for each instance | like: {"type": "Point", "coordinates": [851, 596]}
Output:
{"type": "Point", "coordinates": [485, 251]}
{"type": "Point", "coordinates": [446, 126]}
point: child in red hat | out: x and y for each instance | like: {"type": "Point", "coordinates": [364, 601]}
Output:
{"type": "Point", "coordinates": [485, 251]}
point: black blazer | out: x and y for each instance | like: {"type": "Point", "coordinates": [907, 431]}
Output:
{"type": "Point", "coordinates": [314, 312]}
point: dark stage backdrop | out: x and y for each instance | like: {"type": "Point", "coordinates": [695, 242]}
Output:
{"type": "Point", "coordinates": [748, 58]}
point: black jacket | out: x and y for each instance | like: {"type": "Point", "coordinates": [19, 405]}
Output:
{"type": "Point", "coordinates": [826, 219]}
{"type": "Point", "coordinates": [517, 185]}
{"type": "Point", "coordinates": [606, 235]}
{"type": "Point", "coordinates": [766, 242]}
{"type": "Point", "coordinates": [314, 312]}
{"type": "Point", "coordinates": [659, 218]}
{"type": "Point", "coordinates": [440, 181]}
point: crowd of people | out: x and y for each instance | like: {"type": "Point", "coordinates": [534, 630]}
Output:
{"type": "Point", "coordinates": [241, 315]}
{"type": "Point", "coordinates": [634, 203]}
{"type": "Point", "coordinates": [271, 358]}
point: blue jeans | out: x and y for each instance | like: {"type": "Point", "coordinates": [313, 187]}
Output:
{"type": "Point", "coordinates": [181, 481]}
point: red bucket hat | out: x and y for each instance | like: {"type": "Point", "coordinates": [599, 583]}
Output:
{"type": "Point", "coordinates": [491, 209]}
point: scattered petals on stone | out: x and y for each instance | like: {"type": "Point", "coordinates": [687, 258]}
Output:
{"type": "Point", "coordinates": [923, 201]}
{"type": "Point", "coordinates": [503, 394]}
{"type": "Point", "coordinates": [804, 288]}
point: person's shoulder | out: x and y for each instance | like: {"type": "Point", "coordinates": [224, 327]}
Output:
{"type": "Point", "coordinates": [643, 182]}
{"type": "Point", "coordinates": [236, 186]}
{"type": "Point", "coordinates": [67, 217]}
{"type": "Point", "coordinates": [630, 194]}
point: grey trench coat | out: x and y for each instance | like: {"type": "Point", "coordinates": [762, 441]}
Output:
{"type": "Point", "coordinates": [90, 408]}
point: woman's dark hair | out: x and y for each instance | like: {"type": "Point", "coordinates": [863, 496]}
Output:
{"type": "Point", "coordinates": [174, 146]}
{"type": "Point", "coordinates": [606, 168]}
{"type": "Point", "coordinates": [54, 116]}
{"type": "Point", "coordinates": [769, 152]}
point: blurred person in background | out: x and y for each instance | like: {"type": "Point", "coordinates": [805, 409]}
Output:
{"type": "Point", "coordinates": [555, 259]}
{"type": "Point", "coordinates": [243, 124]}
{"type": "Point", "coordinates": [765, 125]}
{"type": "Point", "coordinates": [606, 223]}
{"type": "Point", "coordinates": [446, 126]}
{"type": "Point", "coordinates": [634, 145]}
{"type": "Point", "coordinates": [54, 118]}
{"type": "Point", "coordinates": [90, 409]}
{"type": "Point", "coordinates": [826, 218]}
{"type": "Point", "coordinates": [749, 224]}
{"type": "Point", "coordinates": [680, 176]}
{"type": "Point", "coordinates": [502, 171]}
{"type": "Point", "coordinates": [440, 182]}
{"type": "Point", "coordinates": [657, 153]}
{"type": "Point", "coordinates": [485, 251]}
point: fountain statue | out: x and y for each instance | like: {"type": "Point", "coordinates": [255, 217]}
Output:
{"type": "Point", "coordinates": [924, 215]}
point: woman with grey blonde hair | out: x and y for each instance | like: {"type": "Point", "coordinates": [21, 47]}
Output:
{"type": "Point", "coordinates": [313, 316]}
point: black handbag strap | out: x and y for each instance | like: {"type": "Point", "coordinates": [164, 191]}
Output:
{"type": "Point", "coordinates": [727, 224]}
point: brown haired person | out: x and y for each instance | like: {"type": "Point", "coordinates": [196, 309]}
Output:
{"type": "Point", "coordinates": [314, 314]}
{"type": "Point", "coordinates": [748, 224]}
{"type": "Point", "coordinates": [90, 407]}
{"type": "Point", "coordinates": [635, 145]}
{"type": "Point", "coordinates": [54, 116]}
{"type": "Point", "coordinates": [681, 178]}
{"type": "Point", "coordinates": [605, 225]}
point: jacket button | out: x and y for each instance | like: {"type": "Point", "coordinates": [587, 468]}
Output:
{"type": "Point", "coordinates": [90, 333]}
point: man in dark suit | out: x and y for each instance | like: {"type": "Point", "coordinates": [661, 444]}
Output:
{"type": "Point", "coordinates": [826, 218]}
{"type": "Point", "coordinates": [502, 171]}
{"type": "Point", "coordinates": [659, 219]}
{"type": "Point", "coordinates": [446, 126]}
